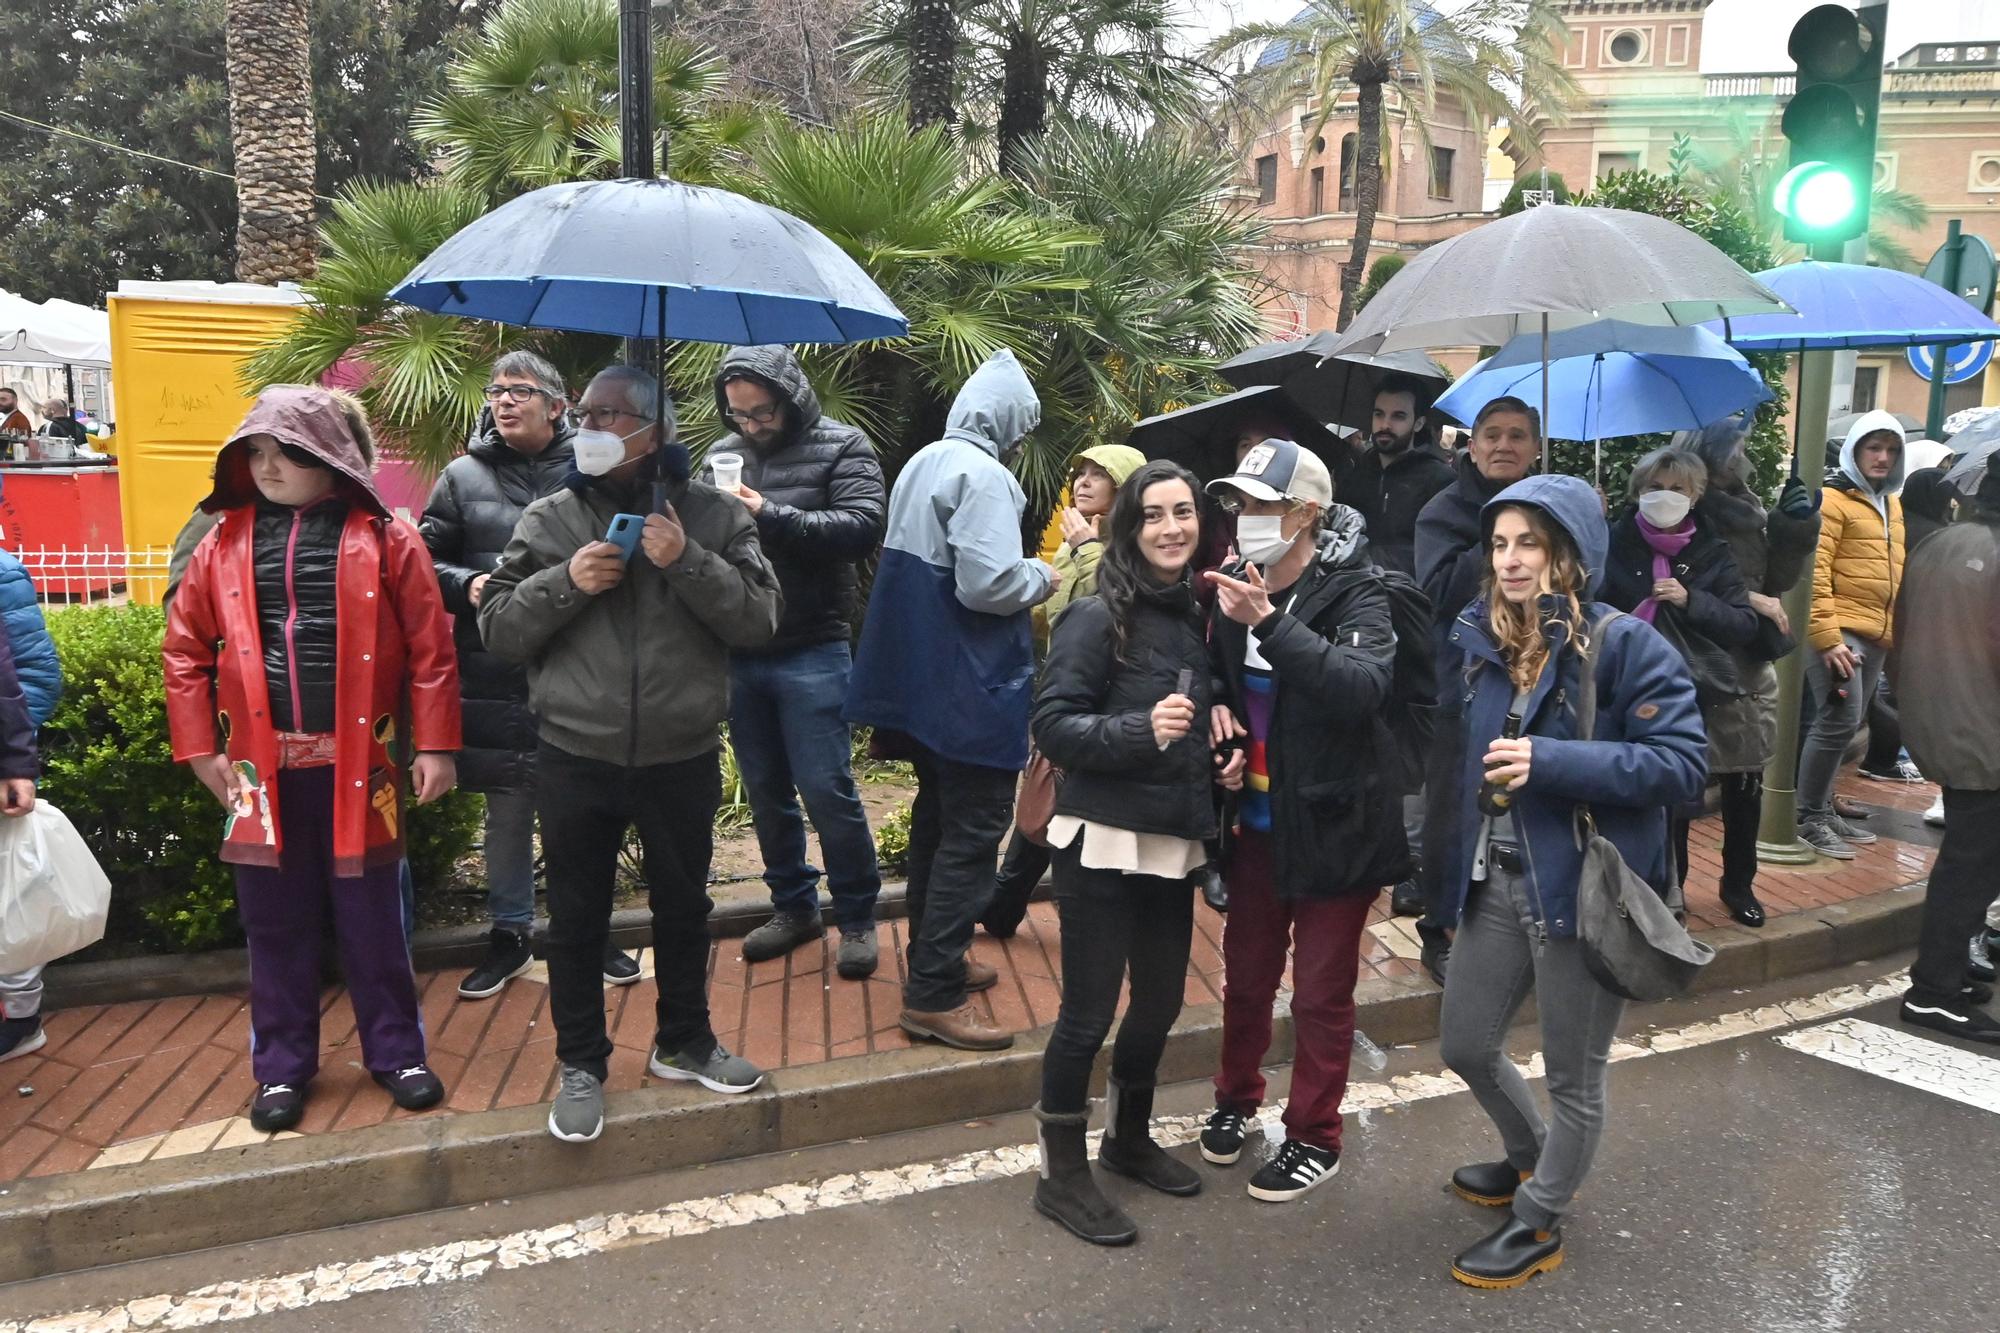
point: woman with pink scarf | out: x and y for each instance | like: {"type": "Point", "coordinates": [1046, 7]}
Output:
{"type": "Point", "coordinates": [1681, 579]}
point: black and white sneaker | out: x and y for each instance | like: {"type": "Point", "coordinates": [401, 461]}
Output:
{"type": "Point", "coordinates": [1297, 1168]}
{"type": "Point", "coordinates": [21, 1036]}
{"type": "Point", "coordinates": [277, 1107]}
{"type": "Point", "coordinates": [1222, 1137]}
{"type": "Point", "coordinates": [620, 968]}
{"type": "Point", "coordinates": [413, 1089]}
{"type": "Point", "coordinates": [509, 953]}
{"type": "Point", "coordinates": [1900, 771]}
{"type": "Point", "coordinates": [1950, 1015]}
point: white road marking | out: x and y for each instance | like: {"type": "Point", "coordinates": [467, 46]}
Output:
{"type": "Point", "coordinates": [467, 1260]}
{"type": "Point", "coordinates": [1905, 1058]}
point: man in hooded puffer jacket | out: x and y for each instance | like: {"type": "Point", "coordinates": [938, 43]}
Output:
{"type": "Point", "coordinates": [815, 489]}
{"type": "Point", "coordinates": [1855, 576]}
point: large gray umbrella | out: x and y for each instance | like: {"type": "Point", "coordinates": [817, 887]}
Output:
{"type": "Point", "coordinates": [1337, 388]}
{"type": "Point", "coordinates": [1555, 267]}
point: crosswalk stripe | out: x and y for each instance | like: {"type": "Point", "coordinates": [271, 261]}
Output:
{"type": "Point", "coordinates": [1904, 1057]}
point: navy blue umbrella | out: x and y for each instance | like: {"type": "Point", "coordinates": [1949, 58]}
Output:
{"type": "Point", "coordinates": [653, 259]}
{"type": "Point", "coordinates": [1852, 305]}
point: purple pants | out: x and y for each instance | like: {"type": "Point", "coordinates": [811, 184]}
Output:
{"type": "Point", "coordinates": [285, 910]}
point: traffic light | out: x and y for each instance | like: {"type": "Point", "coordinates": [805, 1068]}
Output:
{"type": "Point", "coordinates": [1830, 123]}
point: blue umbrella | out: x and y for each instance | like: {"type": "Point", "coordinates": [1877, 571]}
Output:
{"type": "Point", "coordinates": [653, 259]}
{"type": "Point", "coordinates": [1853, 305]}
{"type": "Point", "coordinates": [1613, 378]}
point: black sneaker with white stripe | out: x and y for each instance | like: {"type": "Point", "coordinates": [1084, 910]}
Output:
{"type": "Point", "coordinates": [1297, 1168]}
{"type": "Point", "coordinates": [1222, 1137]}
{"type": "Point", "coordinates": [1953, 1015]}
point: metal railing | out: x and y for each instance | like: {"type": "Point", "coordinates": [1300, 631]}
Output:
{"type": "Point", "coordinates": [71, 576]}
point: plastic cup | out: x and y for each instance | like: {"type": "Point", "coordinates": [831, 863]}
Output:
{"type": "Point", "coordinates": [727, 470]}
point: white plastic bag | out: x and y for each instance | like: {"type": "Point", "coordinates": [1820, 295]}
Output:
{"type": "Point", "coordinates": [53, 895]}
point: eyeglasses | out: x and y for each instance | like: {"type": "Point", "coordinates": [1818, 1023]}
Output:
{"type": "Point", "coordinates": [515, 393]}
{"type": "Point", "coordinates": [762, 416]}
{"type": "Point", "coordinates": [599, 417]}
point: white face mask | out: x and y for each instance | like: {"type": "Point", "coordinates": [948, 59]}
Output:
{"type": "Point", "coordinates": [1261, 539]}
{"type": "Point", "coordinates": [598, 451]}
{"type": "Point", "coordinates": [1664, 509]}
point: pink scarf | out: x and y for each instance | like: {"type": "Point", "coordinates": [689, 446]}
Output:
{"type": "Point", "coordinates": [1666, 545]}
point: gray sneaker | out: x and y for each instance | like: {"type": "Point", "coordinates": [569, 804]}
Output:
{"type": "Point", "coordinates": [1817, 833]}
{"type": "Point", "coordinates": [578, 1113]}
{"type": "Point", "coordinates": [856, 959]}
{"type": "Point", "coordinates": [784, 932]}
{"type": "Point", "coordinates": [719, 1071]}
{"type": "Point", "coordinates": [1847, 833]}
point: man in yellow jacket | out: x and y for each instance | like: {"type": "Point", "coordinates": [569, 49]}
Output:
{"type": "Point", "coordinates": [1855, 577]}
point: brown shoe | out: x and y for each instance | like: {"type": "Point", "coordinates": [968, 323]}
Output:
{"type": "Point", "coordinates": [978, 976]}
{"type": "Point", "coordinates": [959, 1027]}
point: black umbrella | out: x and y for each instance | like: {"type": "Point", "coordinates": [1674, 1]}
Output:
{"type": "Point", "coordinates": [1200, 438]}
{"type": "Point", "coordinates": [1333, 388]}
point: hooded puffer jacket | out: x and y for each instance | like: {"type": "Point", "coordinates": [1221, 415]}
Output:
{"type": "Point", "coordinates": [947, 653]}
{"type": "Point", "coordinates": [1647, 753]}
{"type": "Point", "coordinates": [1860, 561]}
{"type": "Point", "coordinates": [471, 516]}
{"type": "Point", "coordinates": [824, 500]}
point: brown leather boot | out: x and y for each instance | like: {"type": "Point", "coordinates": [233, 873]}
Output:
{"type": "Point", "coordinates": [960, 1027]}
{"type": "Point", "coordinates": [978, 976]}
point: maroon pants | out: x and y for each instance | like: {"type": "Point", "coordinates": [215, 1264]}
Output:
{"type": "Point", "coordinates": [285, 910]}
{"type": "Point", "coordinates": [1324, 937]}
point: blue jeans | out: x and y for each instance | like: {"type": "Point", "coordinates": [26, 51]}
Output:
{"type": "Point", "coordinates": [792, 746]}
{"type": "Point", "coordinates": [510, 860]}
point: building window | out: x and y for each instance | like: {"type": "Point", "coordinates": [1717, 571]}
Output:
{"type": "Point", "coordinates": [1441, 159]}
{"type": "Point", "coordinates": [1267, 179]}
{"type": "Point", "coordinates": [1986, 172]}
{"type": "Point", "coordinates": [1627, 47]}
{"type": "Point", "coordinates": [1867, 385]}
{"type": "Point", "coordinates": [1947, 55]}
{"type": "Point", "coordinates": [1318, 192]}
{"type": "Point", "coordinates": [1611, 163]}
{"type": "Point", "coordinates": [1349, 146]}
{"type": "Point", "coordinates": [1975, 53]}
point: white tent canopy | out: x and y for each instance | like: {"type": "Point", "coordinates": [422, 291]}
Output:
{"type": "Point", "coordinates": [54, 333]}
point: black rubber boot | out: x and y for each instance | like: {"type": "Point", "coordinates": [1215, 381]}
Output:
{"type": "Point", "coordinates": [1509, 1257]}
{"type": "Point", "coordinates": [1128, 1146]}
{"type": "Point", "coordinates": [1489, 1184]}
{"type": "Point", "coordinates": [1066, 1192]}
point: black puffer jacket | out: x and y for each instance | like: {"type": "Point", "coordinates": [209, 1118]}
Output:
{"type": "Point", "coordinates": [1718, 605]}
{"type": "Point", "coordinates": [1390, 498]}
{"type": "Point", "coordinates": [825, 504]}
{"type": "Point", "coordinates": [1451, 561]}
{"type": "Point", "coordinates": [1093, 716]}
{"type": "Point", "coordinates": [468, 522]}
{"type": "Point", "coordinates": [296, 556]}
{"type": "Point", "coordinates": [1336, 813]}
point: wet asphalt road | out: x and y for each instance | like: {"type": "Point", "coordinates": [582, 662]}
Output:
{"type": "Point", "coordinates": [1742, 1185]}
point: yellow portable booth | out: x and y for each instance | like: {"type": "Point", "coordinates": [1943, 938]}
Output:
{"type": "Point", "coordinates": [177, 349]}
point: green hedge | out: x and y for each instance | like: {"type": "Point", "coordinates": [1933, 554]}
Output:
{"type": "Point", "coordinates": [108, 765]}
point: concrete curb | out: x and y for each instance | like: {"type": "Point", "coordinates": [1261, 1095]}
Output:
{"type": "Point", "coordinates": [90, 1218]}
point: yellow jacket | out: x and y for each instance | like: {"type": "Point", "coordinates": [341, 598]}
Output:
{"type": "Point", "coordinates": [1858, 568]}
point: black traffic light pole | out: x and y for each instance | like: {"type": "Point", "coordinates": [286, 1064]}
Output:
{"type": "Point", "coordinates": [1934, 418]}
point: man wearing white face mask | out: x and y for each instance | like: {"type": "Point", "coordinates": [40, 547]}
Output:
{"type": "Point", "coordinates": [628, 669]}
{"type": "Point", "coordinates": [1303, 639]}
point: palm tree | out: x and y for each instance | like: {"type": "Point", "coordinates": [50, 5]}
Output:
{"type": "Point", "coordinates": [269, 56]}
{"type": "Point", "coordinates": [1500, 59]}
{"type": "Point", "coordinates": [931, 40]}
{"type": "Point", "coordinates": [1025, 64]}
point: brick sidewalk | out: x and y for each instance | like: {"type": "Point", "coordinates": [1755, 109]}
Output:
{"type": "Point", "coordinates": [129, 1082]}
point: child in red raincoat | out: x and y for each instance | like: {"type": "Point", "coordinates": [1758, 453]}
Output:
{"type": "Point", "coordinates": [305, 620]}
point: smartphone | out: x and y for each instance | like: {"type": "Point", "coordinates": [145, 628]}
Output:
{"type": "Point", "coordinates": [624, 533]}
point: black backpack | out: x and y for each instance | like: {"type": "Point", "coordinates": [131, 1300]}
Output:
{"type": "Point", "coordinates": [1413, 690]}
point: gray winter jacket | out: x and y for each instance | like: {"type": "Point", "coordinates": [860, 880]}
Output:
{"type": "Point", "coordinates": [1946, 663]}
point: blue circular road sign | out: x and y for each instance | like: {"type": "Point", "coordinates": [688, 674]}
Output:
{"type": "Point", "coordinates": [1962, 361]}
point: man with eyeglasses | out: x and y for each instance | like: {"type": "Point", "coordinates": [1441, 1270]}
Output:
{"type": "Point", "coordinates": [815, 489]}
{"type": "Point", "coordinates": [520, 450]}
{"type": "Point", "coordinates": [628, 668]}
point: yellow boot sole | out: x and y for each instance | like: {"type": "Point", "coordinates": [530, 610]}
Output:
{"type": "Point", "coordinates": [1520, 1279]}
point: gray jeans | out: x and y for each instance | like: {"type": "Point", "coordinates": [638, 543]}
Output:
{"type": "Point", "coordinates": [1835, 720]}
{"type": "Point", "coordinates": [1496, 959]}
{"type": "Point", "coordinates": [510, 859]}
{"type": "Point", "coordinates": [21, 994]}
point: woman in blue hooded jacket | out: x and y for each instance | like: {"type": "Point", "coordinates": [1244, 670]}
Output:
{"type": "Point", "coordinates": [1513, 881]}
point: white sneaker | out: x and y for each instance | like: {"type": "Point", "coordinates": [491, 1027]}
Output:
{"type": "Point", "coordinates": [1935, 815]}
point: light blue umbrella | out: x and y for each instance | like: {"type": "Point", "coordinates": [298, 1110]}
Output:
{"type": "Point", "coordinates": [1853, 305]}
{"type": "Point", "coordinates": [1612, 378]}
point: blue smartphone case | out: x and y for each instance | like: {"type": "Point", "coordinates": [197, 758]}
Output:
{"type": "Point", "coordinates": [624, 533]}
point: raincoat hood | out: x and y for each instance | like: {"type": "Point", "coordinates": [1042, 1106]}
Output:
{"type": "Point", "coordinates": [1850, 469]}
{"type": "Point", "coordinates": [1120, 460]}
{"type": "Point", "coordinates": [306, 418]}
{"type": "Point", "coordinates": [1571, 505]}
{"type": "Point", "coordinates": [997, 407]}
{"type": "Point", "coordinates": [777, 369]}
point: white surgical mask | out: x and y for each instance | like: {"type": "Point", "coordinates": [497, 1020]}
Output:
{"type": "Point", "coordinates": [1261, 539]}
{"type": "Point", "coordinates": [1664, 509]}
{"type": "Point", "coordinates": [598, 451]}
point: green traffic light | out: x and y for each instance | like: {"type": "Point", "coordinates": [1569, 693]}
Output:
{"type": "Point", "coordinates": [1817, 196]}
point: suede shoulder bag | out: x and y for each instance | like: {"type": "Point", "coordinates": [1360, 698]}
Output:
{"type": "Point", "coordinates": [1634, 942]}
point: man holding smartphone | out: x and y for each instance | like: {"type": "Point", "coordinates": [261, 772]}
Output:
{"type": "Point", "coordinates": [628, 662]}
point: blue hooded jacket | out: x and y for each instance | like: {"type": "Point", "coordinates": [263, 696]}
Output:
{"type": "Point", "coordinates": [35, 660]}
{"type": "Point", "coordinates": [947, 649]}
{"type": "Point", "coordinates": [1648, 752]}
